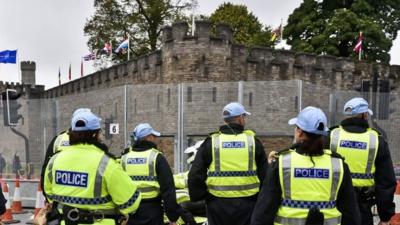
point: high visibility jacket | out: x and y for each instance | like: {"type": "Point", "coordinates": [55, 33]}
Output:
{"type": "Point", "coordinates": [181, 180]}
{"type": "Point", "coordinates": [86, 178]}
{"type": "Point", "coordinates": [306, 185]}
{"type": "Point", "coordinates": [359, 150]}
{"type": "Point", "coordinates": [61, 142]}
{"type": "Point", "coordinates": [141, 167]}
{"type": "Point", "coordinates": [233, 171]}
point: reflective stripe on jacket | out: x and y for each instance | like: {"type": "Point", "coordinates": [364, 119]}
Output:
{"type": "Point", "coordinates": [359, 151]}
{"type": "Point", "coordinates": [85, 177]}
{"type": "Point", "coordinates": [306, 185]}
{"type": "Point", "coordinates": [233, 171]}
{"type": "Point", "coordinates": [141, 167]}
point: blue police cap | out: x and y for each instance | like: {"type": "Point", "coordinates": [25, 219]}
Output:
{"type": "Point", "coordinates": [234, 109]}
{"type": "Point", "coordinates": [356, 106]}
{"type": "Point", "coordinates": [142, 130]}
{"type": "Point", "coordinates": [80, 110]}
{"type": "Point", "coordinates": [85, 121]}
{"type": "Point", "coordinates": [311, 120]}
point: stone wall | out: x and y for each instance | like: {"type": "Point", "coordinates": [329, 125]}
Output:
{"type": "Point", "coordinates": [197, 75]}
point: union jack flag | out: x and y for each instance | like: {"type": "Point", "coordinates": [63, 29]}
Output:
{"type": "Point", "coordinates": [89, 57]}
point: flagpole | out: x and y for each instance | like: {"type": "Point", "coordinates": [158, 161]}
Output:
{"type": "Point", "coordinates": [19, 68]}
{"type": "Point", "coordinates": [281, 29]}
{"type": "Point", "coordinates": [360, 52]}
{"type": "Point", "coordinates": [128, 48]}
{"type": "Point", "coordinates": [193, 11]}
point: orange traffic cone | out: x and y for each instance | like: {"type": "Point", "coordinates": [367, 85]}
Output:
{"type": "Point", "coordinates": [395, 220]}
{"type": "Point", "coordinates": [17, 204]}
{"type": "Point", "coordinates": [7, 217]}
{"type": "Point", "coordinates": [39, 200]}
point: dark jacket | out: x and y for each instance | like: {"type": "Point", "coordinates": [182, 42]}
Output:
{"type": "Point", "coordinates": [198, 171]}
{"type": "Point", "coordinates": [385, 179]}
{"type": "Point", "coordinates": [166, 181]}
{"type": "Point", "coordinates": [270, 198]}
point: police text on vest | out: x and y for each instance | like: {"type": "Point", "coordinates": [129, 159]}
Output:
{"type": "Point", "coordinates": [233, 144]}
{"type": "Point", "coordinates": [311, 173]}
{"type": "Point", "coordinates": [71, 178]}
{"type": "Point", "coordinates": [136, 161]}
{"type": "Point", "coordinates": [353, 144]}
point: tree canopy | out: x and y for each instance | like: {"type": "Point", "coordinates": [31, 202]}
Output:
{"type": "Point", "coordinates": [140, 20]}
{"type": "Point", "coordinates": [247, 29]}
{"type": "Point", "coordinates": [332, 27]}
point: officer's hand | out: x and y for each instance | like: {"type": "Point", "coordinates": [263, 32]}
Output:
{"type": "Point", "coordinates": [172, 223]}
{"type": "Point", "coordinates": [383, 223]}
{"type": "Point", "coordinates": [272, 156]}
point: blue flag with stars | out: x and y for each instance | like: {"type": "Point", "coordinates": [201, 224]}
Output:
{"type": "Point", "coordinates": [8, 56]}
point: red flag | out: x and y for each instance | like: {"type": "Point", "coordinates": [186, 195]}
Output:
{"type": "Point", "coordinates": [81, 68]}
{"type": "Point", "coordinates": [69, 72]}
{"type": "Point", "coordinates": [358, 47]}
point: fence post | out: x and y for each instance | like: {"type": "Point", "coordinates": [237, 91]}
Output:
{"type": "Point", "coordinates": [240, 92]}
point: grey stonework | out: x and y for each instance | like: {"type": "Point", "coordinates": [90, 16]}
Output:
{"type": "Point", "coordinates": [208, 67]}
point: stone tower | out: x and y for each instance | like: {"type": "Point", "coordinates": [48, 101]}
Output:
{"type": "Point", "coordinates": [28, 69]}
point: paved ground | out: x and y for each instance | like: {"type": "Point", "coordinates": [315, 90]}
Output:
{"type": "Point", "coordinates": [23, 218]}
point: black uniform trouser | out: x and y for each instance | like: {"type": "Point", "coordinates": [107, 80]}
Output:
{"type": "Point", "coordinates": [148, 213]}
{"type": "Point", "coordinates": [366, 215]}
{"type": "Point", "coordinates": [365, 206]}
{"type": "Point", "coordinates": [230, 211]}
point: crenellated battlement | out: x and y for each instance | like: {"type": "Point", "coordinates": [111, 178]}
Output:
{"type": "Point", "coordinates": [208, 56]}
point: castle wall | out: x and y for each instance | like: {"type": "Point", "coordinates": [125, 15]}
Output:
{"type": "Point", "coordinates": [208, 69]}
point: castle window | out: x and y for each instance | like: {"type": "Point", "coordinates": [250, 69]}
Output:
{"type": "Point", "coordinates": [189, 94]}
{"type": "Point", "coordinates": [250, 99]}
{"type": "Point", "coordinates": [158, 102]}
{"type": "Point", "coordinates": [168, 96]}
{"type": "Point", "coordinates": [214, 94]}
{"type": "Point", "coordinates": [116, 110]}
{"type": "Point", "coordinates": [134, 106]}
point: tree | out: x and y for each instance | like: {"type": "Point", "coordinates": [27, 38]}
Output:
{"type": "Point", "coordinates": [140, 20]}
{"type": "Point", "coordinates": [247, 29]}
{"type": "Point", "coordinates": [332, 27]}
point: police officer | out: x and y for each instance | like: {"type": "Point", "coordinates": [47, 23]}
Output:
{"type": "Point", "coordinates": [84, 183]}
{"type": "Point", "coordinates": [368, 156]}
{"type": "Point", "coordinates": [58, 143]}
{"type": "Point", "coordinates": [181, 179]}
{"type": "Point", "coordinates": [147, 166]}
{"type": "Point", "coordinates": [307, 185]}
{"type": "Point", "coordinates": [228, 169]}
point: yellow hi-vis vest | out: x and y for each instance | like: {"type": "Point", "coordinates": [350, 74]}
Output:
{"type": "Point", "coordinates": [61, 142]}
{"type": "Point", "coordinates": [141, 167]}
{"type": "Point", "coordinates": [359, 151]}
{"type": "Point", "coordinates": [181, 180]}
{"type": "Point", "coordinates": [305, 185]}
{"type": "Point", "coordinates": [233, 171]}
{"type": "Point", "coordinates": [83, 176]}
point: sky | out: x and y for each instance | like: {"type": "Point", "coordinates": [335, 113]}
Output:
{"type": "Point", "coordinates": [50, 32]}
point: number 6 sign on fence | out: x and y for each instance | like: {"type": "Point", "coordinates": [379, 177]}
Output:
{"type": "Point", "coordinates": [114, 128]}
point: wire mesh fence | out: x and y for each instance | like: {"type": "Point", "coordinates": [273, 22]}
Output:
{"type": "Point", "coordinates": [185, 113]}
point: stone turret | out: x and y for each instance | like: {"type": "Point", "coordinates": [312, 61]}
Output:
{"type": "Point", "coordinates": [28, 69]}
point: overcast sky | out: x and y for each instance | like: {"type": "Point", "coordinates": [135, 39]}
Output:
{"type": "Point", "coordinates": [50, 32]}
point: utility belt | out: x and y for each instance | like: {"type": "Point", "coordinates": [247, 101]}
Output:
{"type": "Point", "coordinates": [74, 216]}
{"type": "Point", "coordinates": [365, 196]}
